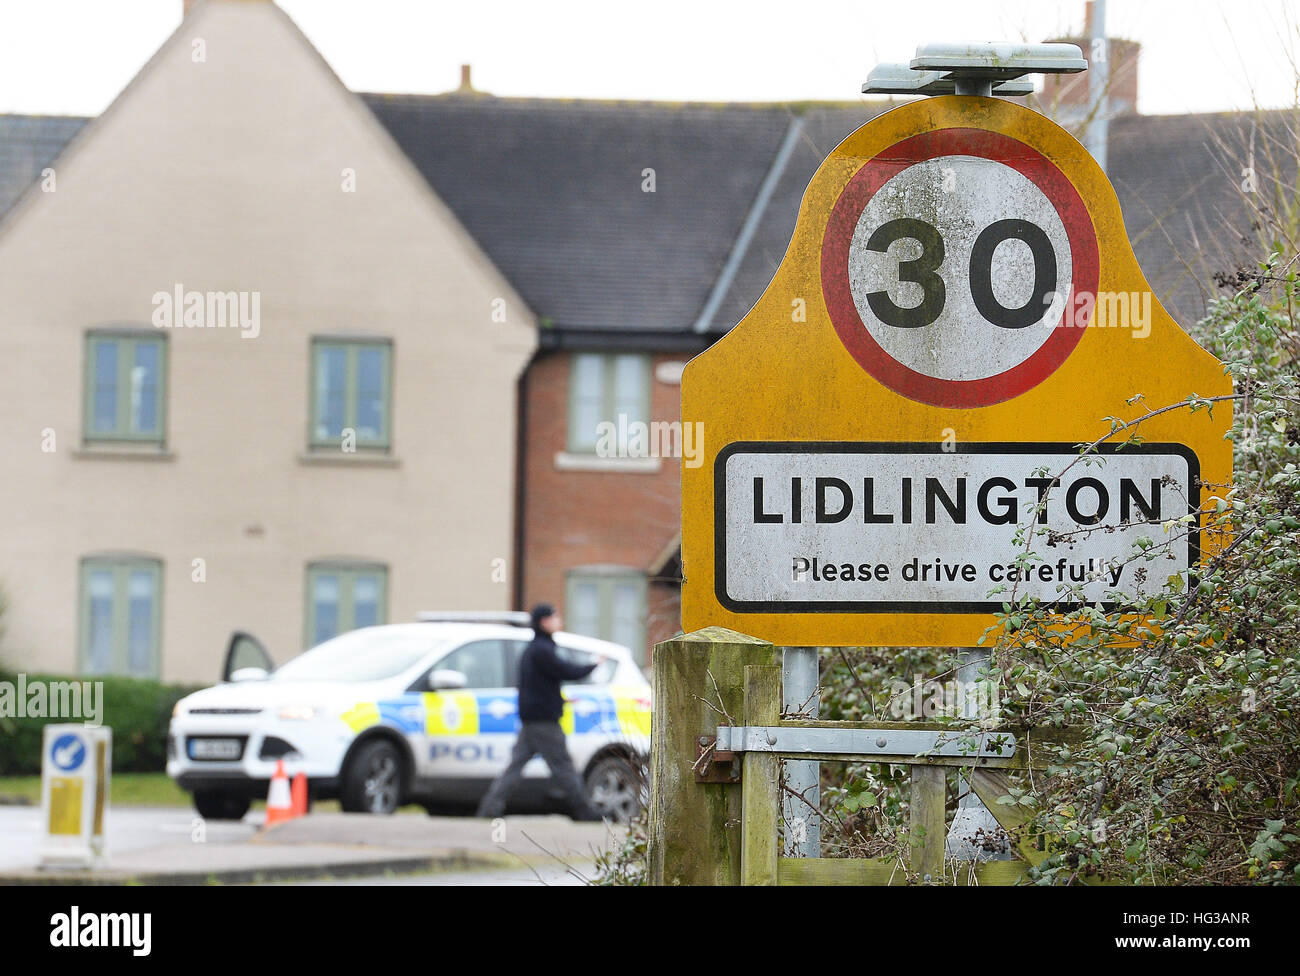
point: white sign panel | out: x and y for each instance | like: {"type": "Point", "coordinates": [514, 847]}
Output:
{"type": "Point", "coordinates": [907, 527]}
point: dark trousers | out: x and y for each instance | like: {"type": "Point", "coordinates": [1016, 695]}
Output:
{"type": "Point", "coordinates": [545, 739]}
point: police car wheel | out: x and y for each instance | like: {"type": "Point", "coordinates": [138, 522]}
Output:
{"type": "Point", "coordinates": [616, 788]}
{"type": "Point", "coordinates": [372, 782]}
{"type": "Point", "coordinates": [215, 805]}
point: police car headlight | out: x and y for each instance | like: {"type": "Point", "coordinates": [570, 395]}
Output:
{"type": "Point", "coordinates": [299, 712]}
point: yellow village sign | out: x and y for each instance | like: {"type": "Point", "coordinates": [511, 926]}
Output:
{"type": "Point", "coordinates": [959, 308]}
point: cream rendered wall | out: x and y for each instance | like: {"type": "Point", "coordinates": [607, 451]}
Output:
{"type": "Point", "coordinates": [225, 174]}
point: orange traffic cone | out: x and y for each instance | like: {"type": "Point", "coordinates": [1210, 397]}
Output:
{"type": "Point", "coordinates": [300, 794]}
{"type": "Point", "coordinates": [279, 804]}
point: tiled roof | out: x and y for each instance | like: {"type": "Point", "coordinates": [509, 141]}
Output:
{"type": "Point", "coordinates": [552, 191]}
{"type": "Point", "coordinates": [820, 131]}
{"type": "Point", "coordinates": [29, 143]}
{"type": "Point", "coordinates": [1179, 179]}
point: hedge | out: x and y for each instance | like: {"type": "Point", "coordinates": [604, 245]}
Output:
{"type": "Point", "coordinates": [137, 711]}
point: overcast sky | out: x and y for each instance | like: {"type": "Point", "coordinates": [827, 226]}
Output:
{"type": "Point", "coordinates": [74, 56]}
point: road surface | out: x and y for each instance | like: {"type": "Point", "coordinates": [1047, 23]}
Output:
{"type": "Point", "coordinates": [548, 850]}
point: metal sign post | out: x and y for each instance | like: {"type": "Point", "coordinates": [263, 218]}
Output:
{"type": "Point", "coordinates": [801, 799]}
{"type": "Point", "coordinates": [975, 834]}
{"type": "Point", "coordinates": [1099, 79]}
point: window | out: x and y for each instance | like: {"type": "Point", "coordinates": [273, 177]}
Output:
{"type": "Point", "coordinates": [351, 389]}
{"type": "Point", "coordinates": [120, 616]}
{"type": "Point", "coordinates": [603, 388]}
{"type": "Point", "coordinates": [609, 604]}
{"type": "Point", "coordinates": [343, 597]}
{"type": "Point", "coordinates": [483, 663]}
{"type": "Point", "coordinates": [125, 386]}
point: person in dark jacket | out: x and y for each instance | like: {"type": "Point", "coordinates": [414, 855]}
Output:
{"type": "Point", "coordinates": [541, 672]}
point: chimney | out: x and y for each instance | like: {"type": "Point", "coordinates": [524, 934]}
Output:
{"type": "Point", "coordinates": [1066, 97]}
{"type": "Point", "coordinates": [465, 87]}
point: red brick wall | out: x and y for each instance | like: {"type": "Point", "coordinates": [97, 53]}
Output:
{"type": "Point", "coordinates": [663, 613]}
{"type": "Point", "coordinates": [581, 518]}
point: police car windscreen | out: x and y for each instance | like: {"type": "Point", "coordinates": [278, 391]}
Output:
{"type": "Point", "coordinates": [361, 655]}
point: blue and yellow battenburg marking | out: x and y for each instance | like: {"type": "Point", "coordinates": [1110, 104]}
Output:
{"type": "Point", "coordinates": [633, 711]}
{"type": "Point", "coordinates": [450, 713]}
{"type": "Point", "coordinates": [361, 716]}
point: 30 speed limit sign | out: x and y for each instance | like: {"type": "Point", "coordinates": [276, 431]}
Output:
{"type": "Point", "coordinates": [959, 308]}
{"type": "Point", "coordinates": [950, 264]}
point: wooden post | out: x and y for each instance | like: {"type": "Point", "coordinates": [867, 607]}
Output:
{"type": "Point", "coordinates": [990, 785]}
{"type": "Point", "coordinates": [695, 828]}
{"type": "Point", "coordinates": [928, 796]}
{"type": "Point", "coordinates": [761, 802]}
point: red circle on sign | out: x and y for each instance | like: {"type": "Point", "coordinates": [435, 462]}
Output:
{"type": "Point", "coordinates": [846, 213]}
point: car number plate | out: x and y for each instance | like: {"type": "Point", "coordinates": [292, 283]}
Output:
{"type": "Point", "coordinates": [215, 748]}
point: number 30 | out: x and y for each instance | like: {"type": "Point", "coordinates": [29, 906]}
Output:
{"type": "Point", "coordinates": [923, 271]}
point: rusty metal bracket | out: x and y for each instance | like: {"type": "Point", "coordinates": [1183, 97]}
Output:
{"type": "Point", "coordinates": [713, 765]}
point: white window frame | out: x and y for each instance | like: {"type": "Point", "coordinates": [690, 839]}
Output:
{"type": "Point", "coordinates": [584, 443]}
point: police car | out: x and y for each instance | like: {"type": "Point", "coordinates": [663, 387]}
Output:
{"type": "Point", "coordinates": [423, 712]}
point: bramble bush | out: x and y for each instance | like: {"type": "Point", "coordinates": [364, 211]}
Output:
{"type": "Point", "coordinates": [1189, 697]}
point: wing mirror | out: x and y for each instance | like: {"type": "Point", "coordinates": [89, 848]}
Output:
{"type": "Point", "coordinates": [249, 674]}
{"type": "Point", "coordinates": [447, 680]}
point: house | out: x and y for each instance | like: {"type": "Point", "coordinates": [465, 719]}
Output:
{"type": "Point", "coordinates": [260, 377]}
{"type": "Point", "coordinates": [494, 295]}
